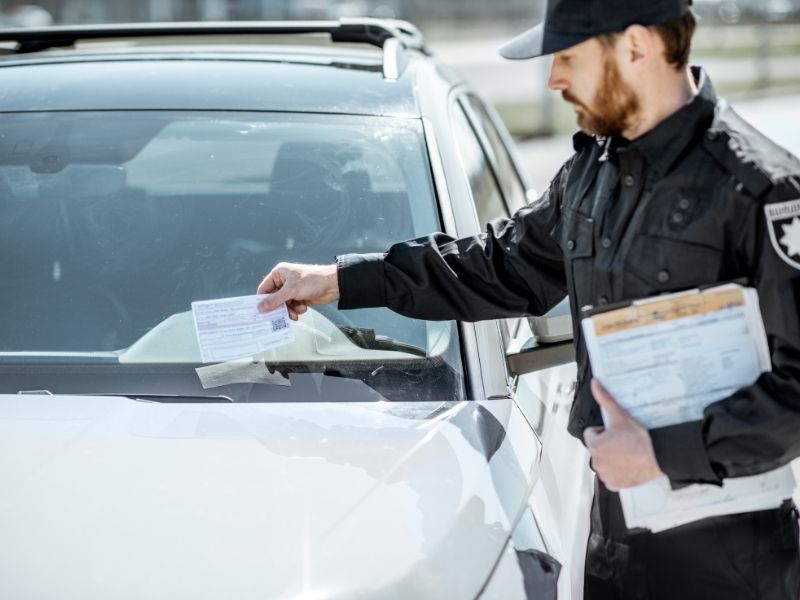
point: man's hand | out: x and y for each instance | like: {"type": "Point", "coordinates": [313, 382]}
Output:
{"type": "Point", "coordinates": [298, 286]}
{"type": "Point", "coordinates": [622, 452]}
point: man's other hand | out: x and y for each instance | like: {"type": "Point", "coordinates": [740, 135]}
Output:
{"type": "Point", "coordinates": [298, 286]}
{"type": "Point", "coordinates": [622, 452]}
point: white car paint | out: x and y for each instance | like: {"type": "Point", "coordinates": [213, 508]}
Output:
{"type": "Point", "coordinates": [108, 497]}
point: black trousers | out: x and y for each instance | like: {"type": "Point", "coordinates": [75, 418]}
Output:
{"type": "Point", "coordinates": [752, 556]}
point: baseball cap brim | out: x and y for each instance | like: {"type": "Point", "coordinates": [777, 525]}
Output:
{"type": "Point", "coordinates": [540, 42]}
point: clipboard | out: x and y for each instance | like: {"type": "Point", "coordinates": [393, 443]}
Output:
{"type": "Point", "coordinates": [665, 359]}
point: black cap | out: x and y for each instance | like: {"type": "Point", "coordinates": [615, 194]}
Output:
{"type": "Point", "coordinates": [570, 22]}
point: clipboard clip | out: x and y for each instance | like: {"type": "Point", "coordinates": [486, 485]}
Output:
{"type": "Point", "coordinates": [589, 311]}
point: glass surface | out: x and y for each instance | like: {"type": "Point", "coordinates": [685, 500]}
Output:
{"type": "Point", "coordinates": [507, 175]}
{"type": "Point", "coordinates": [485, 192]}
{"type": "Point", "coordinates": [112, 223]}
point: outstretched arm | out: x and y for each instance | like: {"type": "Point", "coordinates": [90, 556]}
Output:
{"type": "Point", "coordinates": [515, 268]}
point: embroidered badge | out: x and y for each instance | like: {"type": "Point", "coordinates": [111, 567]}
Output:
{"type": "Point", "coordinates": [783, 221]}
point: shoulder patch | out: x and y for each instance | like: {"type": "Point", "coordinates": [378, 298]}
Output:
{"type": "Point", "coordinates": [783, 221]}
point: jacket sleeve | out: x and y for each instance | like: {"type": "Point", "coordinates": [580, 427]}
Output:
{"type": "Point", "coordinates": [757, 429]}
{"type": "Point", "coordinates": [515, 268]}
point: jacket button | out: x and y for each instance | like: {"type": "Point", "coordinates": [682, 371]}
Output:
{"type": "Point", "coordinates": [602, 301]}
{"type": "Point", "coordinates": [629, 181]}
{"type": "Point", "coordinates": [606, 242]}
{"type": "Point", "coordinates": [712, 135]}
{"type": "Point", "coordinates": [677, 218]}
{"type": "Point", "coordinates": [663, 276]}
{"type": "Point", "coordinates": [684, 204]}
{"type": "Point", "coordinates": [571, 245]}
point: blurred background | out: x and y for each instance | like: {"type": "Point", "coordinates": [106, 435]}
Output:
{"type": "Point", "coordinates": [751, 49]}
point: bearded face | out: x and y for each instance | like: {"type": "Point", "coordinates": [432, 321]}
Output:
{"type": "Point", "coordinates": [615, 107]}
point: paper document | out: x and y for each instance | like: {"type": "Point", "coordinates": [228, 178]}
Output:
{"type": "Point", "coordinates": [655, 506]}
{"type": "Point", "coordinates": [241, 370]}
{"type": "Point", "coordinates": [665, 359]}
{"type": "Point", "coordinates": [233, 328]}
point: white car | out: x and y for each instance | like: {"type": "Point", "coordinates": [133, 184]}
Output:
{"type": "Point", "coordinates": [146, 167]}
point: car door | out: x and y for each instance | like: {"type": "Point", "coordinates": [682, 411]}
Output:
{"type": "Point", "coordinates": [562, 495]}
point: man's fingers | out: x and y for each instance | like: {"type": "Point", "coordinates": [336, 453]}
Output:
{"type": "Point", "coordinates": [614, 411]}
{"type": "Point", "coordinates": [268, 285]}
{"type": "Point", "coordinates": [273, 301]}
{"type": "Point", "coordinates": [298, 286]}
{"type": "Point", "coordinates": [296, 309]}
{"type": "Point", "coordinates": [591, 435]}
{"type": "Point", "coordinates": [274, 280]}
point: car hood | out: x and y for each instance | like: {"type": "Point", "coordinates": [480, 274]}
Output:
{"type": "Point", "coordinates": [114, 497]}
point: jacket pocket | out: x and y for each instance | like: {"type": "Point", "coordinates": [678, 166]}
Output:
{"type": "Point", "coordinates": [657, 264]}
{"type": "Point", "coordinates": [574, 233]}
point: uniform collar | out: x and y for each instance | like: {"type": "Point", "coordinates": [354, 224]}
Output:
{"type": "Point", "coordinates": [663, 144]}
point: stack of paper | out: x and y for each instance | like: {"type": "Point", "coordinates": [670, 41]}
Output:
{"type": "Point", "coordinates": [664, 360]}
{"type": "Point", "coordinates": [655, 506]}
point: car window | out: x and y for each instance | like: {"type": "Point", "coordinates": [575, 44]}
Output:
{"type": "Point", "coordinates": [507, 175]}
{"type": "Point", "coordinates": [486, 193]}
{"type": "Point", "coordinates": [112, 223]}
{"type": "Point", "coordinates": [478, 157]}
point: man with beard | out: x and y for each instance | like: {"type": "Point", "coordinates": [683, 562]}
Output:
{"type": "Point", "coordinates": [668, 189]}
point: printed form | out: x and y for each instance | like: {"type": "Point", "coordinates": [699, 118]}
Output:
{"type": "Point", "coordinates": [233, 328]}
{"type": "Point", "coordinates": [665, 359]}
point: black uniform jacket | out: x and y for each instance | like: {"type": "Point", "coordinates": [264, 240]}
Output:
{"type": "Point", "coordinates": [700, 199]}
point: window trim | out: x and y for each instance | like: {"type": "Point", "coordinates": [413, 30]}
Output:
{"type": "Point", "coordinates": [461, 104]}
{"type": "Point", "coordinates": [507, 328]}
{"type": "Point", "coordinates": [507, 140]}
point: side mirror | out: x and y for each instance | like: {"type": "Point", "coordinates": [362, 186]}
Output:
{"type": "Point", "coordinates": [550, 346]}
{"type": "Point", "coordinates": [555, 326]}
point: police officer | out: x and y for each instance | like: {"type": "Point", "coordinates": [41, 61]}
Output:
{"type": "Point", "coordinates": [668, 189]}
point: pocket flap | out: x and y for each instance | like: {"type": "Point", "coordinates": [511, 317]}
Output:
{"type": "Point", "coordinates": [575, 234]}
{"type": "Point", "coordinates": [672, 264]}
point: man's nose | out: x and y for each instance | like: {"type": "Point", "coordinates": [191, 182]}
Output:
{"type": "Point", "coordinates": [556, 81]}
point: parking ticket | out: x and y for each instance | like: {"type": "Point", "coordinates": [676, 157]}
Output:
{"type": "Point", "coordinates": [232, 328]}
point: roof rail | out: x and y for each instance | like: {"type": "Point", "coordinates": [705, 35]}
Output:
{"type": "Point", "coordinates": [358, 30]}
{"type": "Point", "coordinates": [395, 59]}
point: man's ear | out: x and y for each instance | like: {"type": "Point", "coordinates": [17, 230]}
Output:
{"type": "Point", "coordinates": [639, 43]}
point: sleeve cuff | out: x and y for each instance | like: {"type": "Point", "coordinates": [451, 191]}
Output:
{"type": "Point", "coordinates": [681, 454]}
{"type": "Point", "coordinates": [361, 281]}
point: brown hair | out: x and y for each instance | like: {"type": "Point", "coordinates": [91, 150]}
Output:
{"type": "Point", "coordinates": [677, 37]}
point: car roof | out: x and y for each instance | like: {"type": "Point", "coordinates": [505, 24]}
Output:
{"type": "Point", "coordinates": [209, 69]}
{"type": "Point", "coordinates": [178, 81]}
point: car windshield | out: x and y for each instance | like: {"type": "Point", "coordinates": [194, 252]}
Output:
{"type": "Point", "coordinates": [113, 223]}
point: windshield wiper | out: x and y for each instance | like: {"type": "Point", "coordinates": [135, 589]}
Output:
{"type": "Point", "coordinates": [165, 398]}
{"type": "Point", "coordinates": [169, 398]}
{"type": "Point", "coordinates": [369, 340]}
